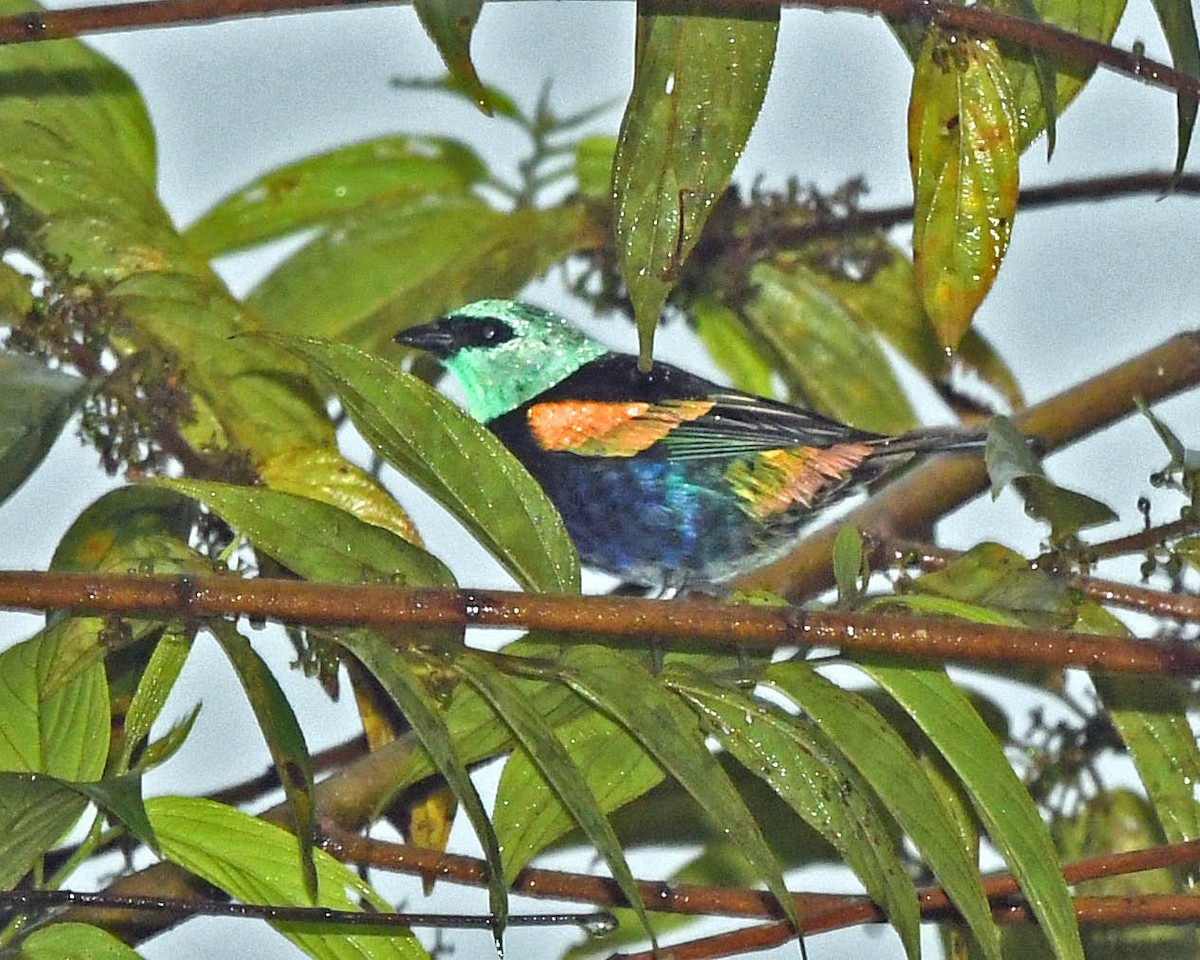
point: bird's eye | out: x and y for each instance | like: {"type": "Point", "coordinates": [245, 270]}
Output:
{"type": "Point", "coordinates": [488, 332]}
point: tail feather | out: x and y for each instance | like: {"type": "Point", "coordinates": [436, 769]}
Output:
{"type": "Point", "coordinates": [933, 440]}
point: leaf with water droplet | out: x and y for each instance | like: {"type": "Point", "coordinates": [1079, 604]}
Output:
{"type": "Point", "coordinates": [963, 151]}
{"type": "Point", "coordinates": [450, 24]}
{"type": "Point", "coordinates": [700, 75]}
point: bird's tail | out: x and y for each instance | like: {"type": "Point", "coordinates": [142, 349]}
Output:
{"type": "Point", "coordinates": [934, 440]}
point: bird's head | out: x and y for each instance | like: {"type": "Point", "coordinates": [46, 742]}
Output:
{"type": "Point", "coordinates": [503, 352]}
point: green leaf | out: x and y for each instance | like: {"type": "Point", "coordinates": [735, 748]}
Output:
{"type": "Point", "coordinates": [327, 476]}
{"type": "Point", "coordinates": [1003, 804]}
{"type": "Point", "coordinates": [1151, 714]}
{"type": "Point", "coordinates": [282, 733]}
{"type": "Point", "coordinates": [398, 261]}
{"type": "Point", "coordinates": [624, 689]}
{"type": "Point", "coordinates": [114, 524]}
{"type": "Point", "coordinates": [699, 79]}
{"type": "Point", "coordinates": [121, 797]}
{"type": "Point", "coordinates": [530, 816]}
{"type": "Point", "coordinates": [819, 785]}
{"type": "Point", "coordinates": [74, 941]}
{"type": "Point", "coordinates": [1179, 27]}
{"type": "Point", "coordinates": [258, 862]}
{"type": "Point", "coordinates": [1010, 460]}
{"type": "Point", "coordinates": [593, 167]}
{"type": "Point", "coordinates": [313, 539]}
{"type": "Point", "coordinates": [502, 104]}
{"type": "Point", "coordinates": [64, 734]}
{"type": "Point", "coordinates": [821, 347]}
{"type": "Point", "coordinates": [398, 677]}
{"type": "Point", "coordinates": [885, 301]}
{"type": "Point", "coordinates": [154, 686]}
{"type": "Point", "coordinates": [35, 405]}
{"type": "Point", "coordinates": [449, 24]}
{"type": "Point", "coordinates": [998, 577]}
{"type": "Point", "coordinates": [849, 564]}
{"type": "Point", "coordinates": [963, 150]}
{"type": "Point", "coordinates": [453, 458]}
{"type": "Point", "coordinates": [1027, 72]}
{"type": "Point", "coordinates": [887, 763]}
{"type": "Point", "coordinates": [35, 813]}
{"type": "Point", "coordinates": [323, 188]}
{"type": "Point", "coordinates": [733, 348]}
{"type": "Point", "coordinates": [77, 167]}
{"type": "Point", "coordinates": [558, 769]}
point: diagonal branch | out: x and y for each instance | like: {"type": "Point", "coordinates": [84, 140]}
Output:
{"type": "Point", "coordinates": [978, 20]}
{"type": "Point", "coordinates": [923, 495]}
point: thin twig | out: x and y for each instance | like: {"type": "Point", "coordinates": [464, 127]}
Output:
{"type": "Point", "coordinates": [360, 921]}
{"type": "Point", "coordinates": [1085, 190]}
{"type": "Point", "coordinates": [1141, 541]}
{"type": "Point", "coordinates": [580, 618]}
{"type": "Point", "coordinates": [977, 20]}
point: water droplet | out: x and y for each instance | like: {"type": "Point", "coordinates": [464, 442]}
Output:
{"type": "Point", "coordinates": [599, 925]}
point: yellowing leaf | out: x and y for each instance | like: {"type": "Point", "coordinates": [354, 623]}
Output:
{"type": "Point", "coordinates": [963, 151]}
{"type": "Point", "coordinates": [699, 79]}
{"type": "Point", "coordinates": [449, 24]}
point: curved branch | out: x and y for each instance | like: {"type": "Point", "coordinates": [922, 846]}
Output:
{"type": "Point", "coordinates": [978, 20]}
{"type": "Point", "coordinates": [585, 618]}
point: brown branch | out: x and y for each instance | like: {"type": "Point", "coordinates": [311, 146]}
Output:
{"type": "Point", "coordinates": [1112, 593]}
{"type": "Point", "coordinates": [1141, 541]}
{"type": "Point", "coordinates": [908, 506]}
{"type": "Point", "coordinates": [977, 20]}
{"type": "Point", "coordinates": [827, 911]}
{"type": "Point", "coordinates": [1086, 190]}
{"type": "Point", "coordinates": [581, 618]}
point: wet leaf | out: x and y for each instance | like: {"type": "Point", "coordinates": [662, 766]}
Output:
{"type": "Point", "coordinates": [399, 261]}
{"type": "Point", "coordinates": [449, 24]}
{"type": "Point", "coordinates": [64, 734]}
{"type": "Point", "coordinates": [1010, 461]}
{"type": "Point", "coordinates": [327, 476]}
{"type": "Point", "coordinates": [1096, 19]}
{"type": "Point", "coordinates": [35, 405]}
{"type": "Point", "coordinates": [699, 79]}
{"type": "Point", "coordinates": [74, 941]}
{"type": "Point", "coordinates": [77, 165]}
{"type": "Point", "coordinates": [886, 302]}
{"type": "Point", "coordinates": [963, 150]}
{"type": "Point", "coordinates": [35, 813]}
{"type": "Point", "coordinates": [283, 736]}
{"type": "Point", "coordinates": [258, 862]}
{"type": "Point", "coordinates": [121, 798]}
{"type": "Point", "coordinates": [1178, 21]}
{"type": "Point", "coordinates": [887, 763]}
{"type": "Point", "coordinates": [313, 539]}
{"type": "Point", "coordinates": [819, 785]}
{"type": "Point", "coordinates": [560, 770]}
{"type": "Point", "coordinates": [530, 815]}
{"type": "Point", "coordinates": [664, 727]}
{"type": "Point", "coordinates": [828, 360]}
{"type": "Point", "coordinates": [1002, 802]}
{"type": "Point", "coordinates": [321, 189]}
{"type": "Point", "coordinates": [454, 458]}
{"type": "Point", "coordinates": [396, 674]}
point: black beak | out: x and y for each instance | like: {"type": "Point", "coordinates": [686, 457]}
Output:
{"type": "Point", "coordinates": [433, 338]}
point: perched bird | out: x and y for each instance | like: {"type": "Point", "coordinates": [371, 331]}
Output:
{"type": "Point", "coordinates": [663, 478]}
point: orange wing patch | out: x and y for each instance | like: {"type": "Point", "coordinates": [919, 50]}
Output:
{"type": "Point", "coordinates": [609, 429]}
{"type": "Point", "coordinates": [776, 480]}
